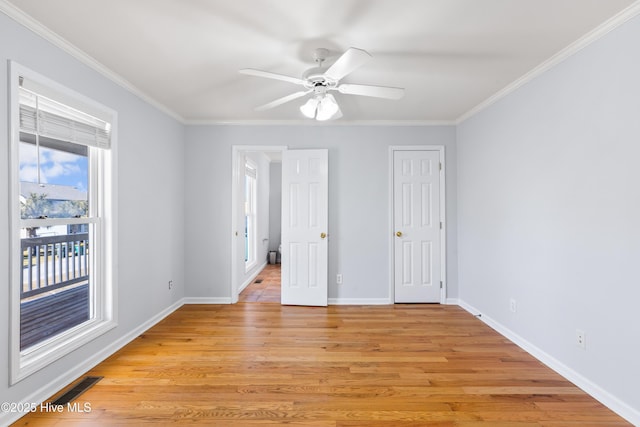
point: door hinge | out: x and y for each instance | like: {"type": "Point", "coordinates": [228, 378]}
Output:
{"type": "Point", "coordinates": [441, 284]}
{"type": "Point", "coordinates": [440, 165]}
{"type": "Point", "coordinates": [440, 225]}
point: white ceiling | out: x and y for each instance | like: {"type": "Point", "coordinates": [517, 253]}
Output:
{"type": "Point", "coordinates": [450, 55]}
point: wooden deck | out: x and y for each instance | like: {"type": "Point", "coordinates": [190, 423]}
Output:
{"type": "Point", "coordinates": [49, 315]}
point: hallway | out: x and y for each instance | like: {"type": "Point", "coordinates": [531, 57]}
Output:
{"type": "Point", "coordinates": [265, 287]}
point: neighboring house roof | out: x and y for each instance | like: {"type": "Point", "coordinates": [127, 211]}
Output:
{"type": "Point", "coordinates": [52, 191]}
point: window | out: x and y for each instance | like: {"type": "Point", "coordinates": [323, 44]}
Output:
{"type": "Point", "coordinates": [62, 220]}
{"type": "Point", "coordinates": [250, 214]}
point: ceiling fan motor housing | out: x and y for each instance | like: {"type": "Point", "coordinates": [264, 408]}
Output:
{"type": "Point", "coordinates": [314, 78]}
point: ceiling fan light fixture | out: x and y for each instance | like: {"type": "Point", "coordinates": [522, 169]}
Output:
{"type": "Point", "coordinates": [309, 108]}
{"type": "Point", "coordinates": [327, 108]}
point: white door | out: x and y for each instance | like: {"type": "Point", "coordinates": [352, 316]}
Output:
{"type": "Point", "coordinates": [304, 227]}
{"type": "Point", "coordinates": [417, 228]}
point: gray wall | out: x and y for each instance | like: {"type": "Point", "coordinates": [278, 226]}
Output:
{"type": "Point", "coordinates": [358, 200]}
{"type": "Point", "coordinates": [548, 212]}
{"type": "Point", "coordinates": [149, 196]}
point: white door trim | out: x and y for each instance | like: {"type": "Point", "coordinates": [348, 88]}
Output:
{"type": "Point", "coordinates": [443, 231]}
{"type": "Point", "coordinates": [236, 151]}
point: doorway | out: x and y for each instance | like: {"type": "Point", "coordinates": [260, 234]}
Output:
{"type": "Point", "coordinates": [304, 189]}
{"type": "Point", "coordinates": [262, 236]}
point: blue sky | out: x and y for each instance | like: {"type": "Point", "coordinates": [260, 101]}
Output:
{"type": "Point", "coordinates": [56, 167]}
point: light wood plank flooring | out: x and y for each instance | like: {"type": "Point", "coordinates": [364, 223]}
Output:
{"type": "Point", "coordinates": [255, 364]}
{"type": "Point", "coordinates": [265, 287]}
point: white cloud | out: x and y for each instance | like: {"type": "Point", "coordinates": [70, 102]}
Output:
{"type": "Point", "coordinates": [59, 169]}
{"type": "Point", "coordinates": [60, 156]}
{"type": "Point", "coordinates": [28, 154]}
{"type": "Point", "coordinates": [30, 174]}
{"type": "Point", "coordinates": [54, 164]}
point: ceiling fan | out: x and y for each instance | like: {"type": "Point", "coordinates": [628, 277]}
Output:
{"type": "Point", "coordinates": [320, 81]}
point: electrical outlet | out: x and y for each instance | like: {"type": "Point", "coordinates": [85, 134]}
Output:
{"type": "Point", "coordinates": [581, 339]}
{"type": "Point", "coordinates": [513, 305]}
{"type": "Point", "coordinates": [339, 279]}
{"type": "Point", "coordinates": [170, 284]}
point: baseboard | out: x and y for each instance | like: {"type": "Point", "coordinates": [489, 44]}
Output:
{"type": "Point", "coordinates": [253, 276]}
{"type": "Point", "coordinates": [612, 402]}
{"type": "Point", "coordinates": [359, 301]}
{"type": "Point", "coordinates": [68, 377]}
{"type": "Point", "coordinates": [374, 301]}
{"type": "Point", "coordinates": [206, 300]}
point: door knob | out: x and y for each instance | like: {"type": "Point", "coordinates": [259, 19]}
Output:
{"type": "Point", "coordinates": [399, 233]}
{"type": "Point", "coordinates": [323, 235]}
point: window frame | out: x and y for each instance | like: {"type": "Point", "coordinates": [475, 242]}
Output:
{"type": "Point", "coordinates": [251, 240]}
{"type": "Point", "coordinates": [102, 186]}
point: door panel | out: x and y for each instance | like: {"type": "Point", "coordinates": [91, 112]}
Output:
{"type": "Point", "coordinates": [416, 199]}
{"type": "Point", "coordinates": [304, 227]}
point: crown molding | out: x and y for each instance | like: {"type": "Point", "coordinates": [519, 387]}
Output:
{"type": "Point", "coordinates": [617, 20]}
{"type": "Point", "coordinates": [38, 28]}
{"type": "Point", "coordinates": [305, 122]}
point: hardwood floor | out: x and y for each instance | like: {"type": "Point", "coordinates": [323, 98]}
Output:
{"type": "Point", "coordinates": [254, 364]}
{"type": "Point", "coordinates": [265, 287]}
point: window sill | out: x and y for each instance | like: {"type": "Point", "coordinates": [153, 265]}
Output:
{"type": "Point", "coordinates": [41, 355]}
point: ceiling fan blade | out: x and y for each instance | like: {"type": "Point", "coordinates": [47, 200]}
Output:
{"type": "Point", "coordinates": [283, 100]}
{"type": "Point", "coordinates": [270, 75]}
{"type": "Point", "coordinates": [350, 60]}
{"type": "Point", "coordinates": [368, 90]}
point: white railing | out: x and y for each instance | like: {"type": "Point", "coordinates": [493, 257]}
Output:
{"type": "Point", "coordinates": [53, 262]}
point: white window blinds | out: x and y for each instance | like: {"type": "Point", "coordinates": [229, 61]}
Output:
{"type": "Point", "coordinates": [45, 117]}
